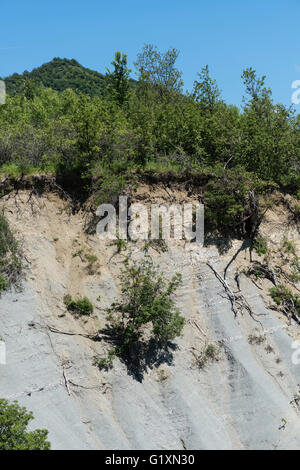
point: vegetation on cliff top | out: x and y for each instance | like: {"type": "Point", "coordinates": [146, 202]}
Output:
{"type": "Point", "coordinates": [100, 138]}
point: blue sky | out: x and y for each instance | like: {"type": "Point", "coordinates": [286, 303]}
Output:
{"type": "Point", "coordinates": [227, 35]}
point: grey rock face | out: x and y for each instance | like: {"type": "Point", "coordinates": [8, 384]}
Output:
{"type": "Point", "coordinates": [243, 400]}
{"type": "Point", "coordinates": [238, 402]}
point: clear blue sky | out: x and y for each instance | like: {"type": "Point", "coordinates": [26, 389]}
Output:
{"type": "Point", "coordinates": [227, 35]}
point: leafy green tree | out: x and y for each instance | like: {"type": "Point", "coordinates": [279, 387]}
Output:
{"type": "Point", "coordinates": [259, 96]}
{"type": "Point", "coordinates": [146, 299]}
{"type": "Point", "coordinates": [206, 91]}
{"type": "Point", "coordinates": [13, 429]}
{"type": "Point", "coordinates": [159, 68]}
{"type": "Point", "coordinates": [86, 122]}
{"type": "Point", "coordinates": [148, 124]}
{"type": "Point", "coordinates": [269, 136]}
{"type": "Point", "coordinates": [29, 89]}
{"type": "Point", "coordinates": [231, 203]}
{"type": "Point", "coordinates": [118, 79]}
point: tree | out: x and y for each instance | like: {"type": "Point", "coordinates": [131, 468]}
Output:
{"type": "Point", "coordinates": [147, 299]}
{"type": "Point", "coordinates": [159, 68]}
{"type": "Point", "coordinates": [118, 79]}
{"type": "Point", "coordinates": [29, 89]}
{"type": "Point", "coordinates": [259, 97]}
{"type": "Point", "coordinates": [86, 123]}
{"type": "Point", "coordinates": [269, 143]}
{"type": "Point", "coordinates": [206, 91]}
{"type": "Point", "coordinates": [13, 424]}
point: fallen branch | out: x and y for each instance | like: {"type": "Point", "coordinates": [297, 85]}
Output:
{"type": "Point", "coordinates": [228, 290]}
{"type": "Point", "coordinates": [66, 383]}
{"type": "Point", "coordinates": [285, 275]}
{"type": "Point", "coordinates": [194, 323]}
{"type": "Point", "coordinates": [266, 270]}
{"type": "Point", "coordinates": [290, 310]}
{"type": "Point", "coordinates": [239, 301]}
{"type": "Point", "coordinates": [93, 337]}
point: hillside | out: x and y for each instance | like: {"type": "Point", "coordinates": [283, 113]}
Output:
{"type": "Point", "coordinates": [60, 74]}
{"type": "Point", "coordinates": [247, 398]}
{"type": "Point", "coordinates": [151, 343]}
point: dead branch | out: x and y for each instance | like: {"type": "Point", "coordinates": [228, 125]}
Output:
{"type": "Point", "coordinates": [228, 161]}
{"type": "Point", "coordinates": [228, 290]}
{"type": "Point", "coordinates": [285, 275]}
{"type": "Point", "coordinates": [290, 310]}
{"type": "Point", "coordinates": [195, 324]}
{"type": "Point", "coordinates": [243, 304]}
{"type": "Point", "coordinates": [66, 382]}
{"type": "Point", "coordinates": [239, 300]}
{"type": "Point", "coordinates": [93, 337]}
{"type": "Point", "coordinates": [288, 305]}
{"type": "Point", "coordinates": [266, 270]}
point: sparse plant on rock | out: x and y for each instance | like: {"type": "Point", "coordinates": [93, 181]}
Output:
{"type": "Point", "coordinates": [82, 306]}
{"type": "Point", "coordinates": [260, 245]}
{"type": "Point", "coordinates": [256, 339]}
{"type": "Point", "coordinates": [11, 257]}
{"type": "Point", "coordinates": [210, 353]}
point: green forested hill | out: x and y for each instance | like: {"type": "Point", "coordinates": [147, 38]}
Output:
{"type": "Point", "coordinates": [60, 74]}
{"type": "Point", "coordinates": [104, 142]}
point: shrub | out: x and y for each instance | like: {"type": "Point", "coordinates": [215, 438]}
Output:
{"type": "Point", "coordinates": [11, 263]}
{"type": "Point", "coordinates": [13, 429]}
{"type": "Point", "coordinates": [158, 244]}
{"type": "Point", "coordinates": [105, 362]}
{"type": "Point", "coordinates": [93, 264]}
{"type": "Point", "coordinates": [256, 339]}
{"type": "Point", "coordinates": [210, 353]}
{"type": "Point", "coordinates": [3, 283]}
{"type": "Point", "coordinates": [120, 244]}
{"type": "Point", "coordinates": [289, 247]}
{"type": "Point", "coordinates": [230, 204]}
{"type": "Point", "coordinates": [282, 295]}
{"type": "Point", "coordinates": [260, 245]}
{"type": "Point", "coordinates": [146, 301]}
{"type": "Point", "coordinates": [91, 259]}
{"type": "Point", "coordinates": [81, 306]}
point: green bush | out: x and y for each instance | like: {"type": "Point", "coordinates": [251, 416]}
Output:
{"type": "Point", "coordinates": [289, 247]}
{"type": "Point", "coordinates": [3, 283]}
{"type": "Point", "coordinates": [146, 302]}
{"type": "Point", "coordinates": [105, 362]}
{"type": "Point", "coordinates": [81, 306]}
{"type": "Point", "coordinates": [11, 257]}
{"type": "Point", "coordinates": [282, 294]}
{"type": "Point", "coordinates": [13, 429]}
{"type": "Point", "coordinates": [229, 204]}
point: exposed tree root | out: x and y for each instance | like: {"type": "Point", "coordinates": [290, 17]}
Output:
{"type": "Point", "coordinates": [238, 302]}
{"type": "Point", "coordinates": [268, 272]}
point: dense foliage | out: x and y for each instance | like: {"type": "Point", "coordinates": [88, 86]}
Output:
{"type": "Point", "coordinates": [60, 74]}
{"type": "Point", "coordinates": [13, 429]}
{"type": "Point", "coordinates": [147, 298]}
{"type": "Point", "coordinates": [146, 316]}
{"type": "Point", "coordinates": [11, 257]}
{"type": "Point", "coordinates": [153, 126]}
